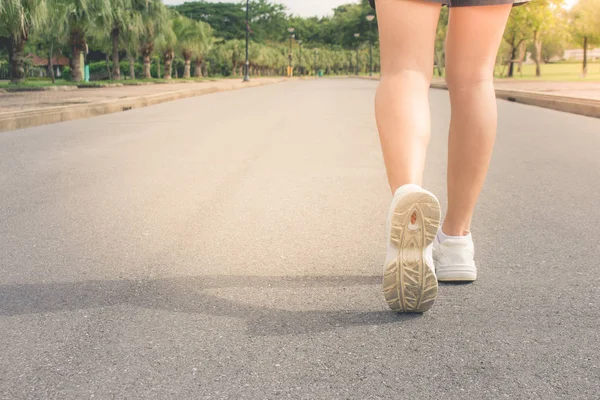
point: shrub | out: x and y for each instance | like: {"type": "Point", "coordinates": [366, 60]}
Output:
{"type": "Point", "coordinates": [66, 73]}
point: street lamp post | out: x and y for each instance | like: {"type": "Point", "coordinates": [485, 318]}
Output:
{"type": "Point", "coordinates": [370, 18]}
{"type": "Point", "coordinates": [357, 35]}
{"type": "Point", "coordinates": [247, 74]}
{"type": "Point", "coordinates": [291, 31]}
{"type": "Point", "coordinates": [300, 69]}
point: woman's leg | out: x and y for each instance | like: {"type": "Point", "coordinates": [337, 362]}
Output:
{"type": "Point", "coordinates": [407, 34]}
{"type": "Point", "coordinates": [474, 35]}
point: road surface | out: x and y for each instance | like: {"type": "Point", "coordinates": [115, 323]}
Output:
{"type": "Point", "coordinates": [229, 247]}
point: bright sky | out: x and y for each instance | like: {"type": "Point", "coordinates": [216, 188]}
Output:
{"type": "Point", "coordinates": [304, 8]}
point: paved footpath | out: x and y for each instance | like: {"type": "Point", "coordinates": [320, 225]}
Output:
{"type": "Point", "coordinates": [582, 98]}
{"type": "Point", "coordinates": [581, 90]}
{"type": "Point", "coordinates": [229, 246]}
{"type": "Point", "coordinates": [585, 90]}
{"type": "Point", "coordinates": [22, 101]}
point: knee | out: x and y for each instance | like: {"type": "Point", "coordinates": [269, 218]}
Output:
{"type": "Point", "coordinates": [407, 76]}
{"type": "Point", "coordinates": [464, 77]}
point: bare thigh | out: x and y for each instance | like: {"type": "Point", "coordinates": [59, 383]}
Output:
{"type": "Point", "coordinates": [407, 35]}
{"type": "Point", "coordinates": [474, 36]}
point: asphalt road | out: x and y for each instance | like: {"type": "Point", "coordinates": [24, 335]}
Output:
{"type": "Point", "coordinates": [230, 246]}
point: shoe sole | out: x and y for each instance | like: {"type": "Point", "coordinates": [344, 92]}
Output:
{"type": "Point", "coordinates": [409, 284]}
{"type": "Point", "coordinates": [457, 276]}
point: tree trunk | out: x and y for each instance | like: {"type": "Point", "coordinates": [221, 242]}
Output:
{"type": "Point", "coordinates": [131, 65]}
{"type": "Point", "coordinates": [187, 69]}
{"type": "Point", "coordinates": [538, 57]}
{"type": "Point", "coordinates": [77, 41]}
{"type": "Point", "coordinates": [51, 63]}
{"type": "Point", "coordinates": [158, 75]}
{"type": "Point", "coordinates": [438, 62]}
{"type": "Point", "coordinates": [585, 42]}
{"type": "Point", "coordinates": [536, 39]}
{"type": "Point", "coordinates": [168, 67]}
{"type": "Point", "coordinates": [17, 56]}
{"type": "Point", "coordinates": [76, 75]}
{"type": "Point", "coordinates": [198, 69]}
{"type": "Point", "coordinates": [116, 72]}
{"type": "Point", "coordinates": [147, 73]}
{"type": "Point", "coordinates": [522, 53]}
{"type": "Point", "coordinates": [512, 64]}
{"type": "Point", "coordinates": [107, 59]}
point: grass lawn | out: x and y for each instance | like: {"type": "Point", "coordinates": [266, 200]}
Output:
{"type": "Point", "coordinates": [558, 72]}
{"type": "Point", "coordinates": [37, 83]}
{"type": "Point", "coordinates": [34, 83]}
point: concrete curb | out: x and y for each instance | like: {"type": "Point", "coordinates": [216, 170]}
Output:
{"type": "Point", "coordinates": [64, 88]}
{"type": "Point", "coordinates": [573, 105]}
{"type": "Point", "coordinates": [41, 116]}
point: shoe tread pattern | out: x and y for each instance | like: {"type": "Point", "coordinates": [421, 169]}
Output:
{"type": "Point", "coordinates": [409, 284]}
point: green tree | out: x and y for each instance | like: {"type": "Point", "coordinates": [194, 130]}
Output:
{"type": "Point", "coordinates": [154, 20]}
{"type": "Point", "coordinates": [51, 35]}
{"type": "Point", "coordinates": [18, 18]}
{"type": "Point", "coordinates": [347, 20]}
{"type": "Point", "coordinates": [81, 18]}
{"type": "Point", "coordinates": [268, 20]}
{"type": "Point", "coordinates": [131, 36]}
{"type": "Point", "coordinates": [192, 40]}
{"type": "Point", "coordinates": [123, 17]}
{"type": "Point", "coordinates": [166, 44]}
{"type": "Point", "coordinates": [541, 19]}
{"type": "Point", "coordinates": [98, 40]}
{"type": "Point", "coordinates": [516, 32]}
{"type": "Point", "coordinates": [202, 46]}
{"type": "Point", "coordinates": [440, 41]}
{"type": "Point", "coordinates": [227, 19]}
{"type": "Point", "coordinates": [585, 26]}
{"type": "Point", "coordinates": [235, 48]}
{"type": "Point", "coordinates": [554, 41]}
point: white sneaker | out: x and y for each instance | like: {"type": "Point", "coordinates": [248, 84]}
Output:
{"type": "Point", "coordinates": [453, 259]}
{"type": "Point", "coordinates": [409, 281]}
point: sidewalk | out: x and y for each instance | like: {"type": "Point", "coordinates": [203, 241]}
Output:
{"type": "Point", "coordinates": [582, 90]}
{"type": "Point", "coordinates": [26, 109]}
{"type": "Point", "coordinates": [573, 97]}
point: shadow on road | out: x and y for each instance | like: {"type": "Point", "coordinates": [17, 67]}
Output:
{"type": "Point", "coordinates": [188, 295]}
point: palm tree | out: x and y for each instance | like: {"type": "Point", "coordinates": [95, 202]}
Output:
{"type": "Point", "coordinates": [236, 48]}
{"type": "Point", "coordinates": [220, 57]}
{"type": "Point", "coordinates": [17, 19]}
{"type": "Point", "coordinates": [203, 46]}
{"type": "Point", "coordinates": [154, 17]}
{"type": "Point", "coordinates": [131, 39]}
{"type": "Point", "coordinates": [122, 17]}
{"type": "Point", "coordinates": [166, 43]}
{"type": "Point", "coordinates": [81, 17]}
{"type": "Point", "coordinates": [187, 34]}
{"type": "Point", "coordinates": [98, 40]}
{"type": "Point", "coordinates": [51, 33]}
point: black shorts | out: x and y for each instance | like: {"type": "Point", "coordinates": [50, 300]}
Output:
{"type": "Point", "coordinates": [470, 3]}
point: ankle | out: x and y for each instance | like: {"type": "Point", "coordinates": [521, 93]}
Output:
{"type": "Point", "coordinates": [450, 229]}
